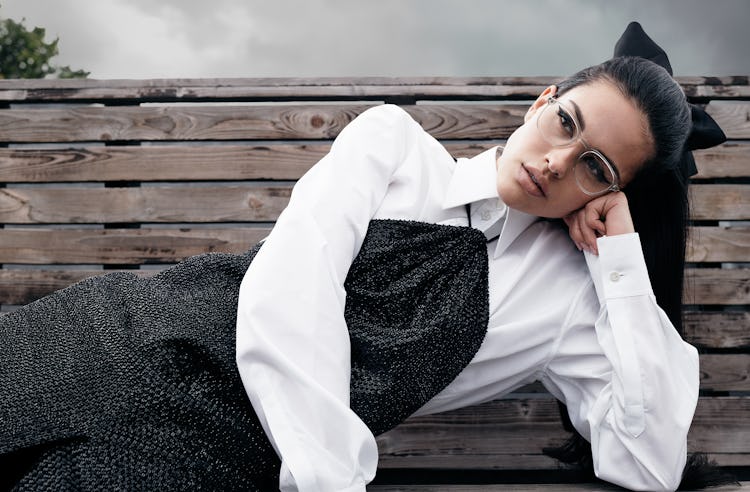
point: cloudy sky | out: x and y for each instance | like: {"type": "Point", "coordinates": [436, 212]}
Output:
{"type": "Point", "coordinates": [289, 38]}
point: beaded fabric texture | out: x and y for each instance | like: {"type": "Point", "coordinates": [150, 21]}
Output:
{"type": "Point", "coordinates": [120, 382]}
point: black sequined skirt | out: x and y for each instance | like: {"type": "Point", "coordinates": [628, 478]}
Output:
{"type": "Point", "coordinates": [126, 383]}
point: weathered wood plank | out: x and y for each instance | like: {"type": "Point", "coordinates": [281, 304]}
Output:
{"type": "Point", "coordinates": [729, 329]}
{"type": "Point", "coordinates": [148, 204]}
{"type": "Point", "coordinates": [449, 121]}
{"type": "Point", "coordinates": [718, 372]}
{"type": "Point", "coordinates": [725, 372]}
{"type": "Point", "coordinates": [525, 487]}
{"type": "Point", "coordinates": [159, 163]}
{"type": "Point", "coordinates": [718, 244]}
{"type": "Point", "coordinates": [723, 329]}
{"type": "Point", "coordinates": [729, 160]}
{"type": "Point", "coordinates": [135, 246]}
{"type": "Point", "coordinates": [240, 122]}
{"type": "Point", "coordinates": [720, 201]}
{"type": "Point", "coordinates": [321, 88]}
{"type": "Point", "coordinates": [175, 123]}
{"type": "Point", "coordinates": [242, 162]}
{"type": "Point", "coordinates": [717, 286]}
{"type": "Point", "coordinates": [732, 116]}
{"type": "Point", "coordinates": [231, 203]}
{"type": "Point", "coordinates": [121, 246]}
{"type": "Point", "coordinates": [24, 286]}
{"type": "Point", "coordinates": [509, 434]}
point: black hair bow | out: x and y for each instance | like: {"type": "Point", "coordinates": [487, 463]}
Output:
{"type": "Point", "coordinates": [705, 131]}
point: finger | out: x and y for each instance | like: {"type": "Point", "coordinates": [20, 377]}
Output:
{"type": "Point", "coordinates": [579, 234]}
{"type": "Point", "coordinates": [574, 230]}
{"type": "Point", "coordinates": [592, 228]}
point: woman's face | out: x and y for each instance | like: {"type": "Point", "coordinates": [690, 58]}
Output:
{"type": "Point", "coordinates": [610, 123]}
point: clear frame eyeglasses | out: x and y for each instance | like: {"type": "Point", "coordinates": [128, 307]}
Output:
{"type": "Point", "coordinates": [560, 128]}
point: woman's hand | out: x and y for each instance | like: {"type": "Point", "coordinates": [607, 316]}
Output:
{"type": "Point", "coordinates": [606, 215]}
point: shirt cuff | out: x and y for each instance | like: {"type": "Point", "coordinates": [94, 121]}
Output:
{"type": "Point", "coordinates": [620, 269]}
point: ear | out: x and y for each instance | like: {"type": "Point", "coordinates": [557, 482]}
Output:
{"type": "Point", "coordinates": [540, 102]}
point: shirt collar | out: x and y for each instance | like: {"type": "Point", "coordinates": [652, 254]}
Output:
{"type": "Point", "coordinates": [475, 179]}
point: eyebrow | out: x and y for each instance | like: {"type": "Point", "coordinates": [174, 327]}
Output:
{"type": "Point", "coordinates": [579, 117]}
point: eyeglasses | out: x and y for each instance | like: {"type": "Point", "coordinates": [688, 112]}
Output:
{"type": "Point", "coordinates": [559, 127]}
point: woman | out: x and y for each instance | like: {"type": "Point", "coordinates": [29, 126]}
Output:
{"type": "Point", "coordinates": [588, 329]}
{"type": "Point", "coordinates": [371, 300]}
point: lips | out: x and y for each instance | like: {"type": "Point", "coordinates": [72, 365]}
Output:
{"type": "Point", "coordinates": [530, 182]}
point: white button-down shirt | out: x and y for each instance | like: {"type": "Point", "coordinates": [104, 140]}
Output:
{"type": "Point", "coordinates": [588, 327]}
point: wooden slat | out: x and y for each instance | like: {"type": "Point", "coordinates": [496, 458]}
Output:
{"type": "Point", "coordinates": [135, 246]}
{"type": "Point", "coordinates": [718, 372]}
{"type": "Point", "coordinates": [455, 121]}
{"type": "Point", "coordinates": [23, 286]}
{"type": "Point", "coordinates": [175, 123]}
{"type": "Point", "coordinates": [730, 329]}
{"type": "Point", "coordinates": [718, 244]}
{"type": "Point", "coordinates": [78, 205]}
{"type": "Point", "coordinates": [509, 434]}
{"type": "Point", "coordinates": [242, 162]}
{"type": "Point", "coordinates": [725, 372]}
{"type": "Point", "coordinates": [121, 246]}
{"type": "Point", "coordinates": [732, 116]}
{"type": "Point", "coordinates": [717, 286]}
{"type": "Point", "coordinates": [729, 160]}
{"type": "Point", "coordinates": [449, 121]}
{"type": "Point", "coordinates": [720, 201]}
{"type": "Point", "coordinates": [320, 88]}
{"type": "Point", "coordinates": [525, 487]}
{"type": "Point", "coordinates": [148, 204]}
{"type": "Point", "coordinates": [724, 329]}
{"type": "Point", "coordinates": [240, 122]}
{"type": "Point", "coordinates": [159, 163]}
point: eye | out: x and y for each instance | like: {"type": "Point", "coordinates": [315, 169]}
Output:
{"type": "Point", "coordinates": [566, 122]}
{"type": "Point", "coordinates": [596, 169]}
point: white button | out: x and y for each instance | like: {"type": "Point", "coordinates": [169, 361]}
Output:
{"type": "Point", "coordinates": [485, 215]}
{"type": "Point", "coordinates": [614, 276]}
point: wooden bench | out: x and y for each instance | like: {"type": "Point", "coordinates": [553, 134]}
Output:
{"type": "Point", "coordinates": [119, 174]}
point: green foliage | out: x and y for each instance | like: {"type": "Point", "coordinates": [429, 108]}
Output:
{"type": "Point", "coordinates": [25, 55]}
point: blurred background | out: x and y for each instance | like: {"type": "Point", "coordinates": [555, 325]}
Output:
{"type": "Point", "coordinates": [285, 38]}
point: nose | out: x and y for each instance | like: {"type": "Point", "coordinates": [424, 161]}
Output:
{"type": "Point", "coordinates": [560, 160]}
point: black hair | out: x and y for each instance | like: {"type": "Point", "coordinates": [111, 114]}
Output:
{"type": "Point", "coordinates": [658, 201]}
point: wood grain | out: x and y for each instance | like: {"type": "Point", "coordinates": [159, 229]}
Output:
{"type": "Point", "coordinates": [509, 434]}
{"type": "Point", "coordinates": [509, 485]}
{"type": "Point", "coordinates": [24, 286]}
{"type": "Point", "coordinates": [717, 286]}
{"type": "Point", "coordinates": [725, 372]}
{"type": "Point", "coordinates": [718, 244]}
{"type": "Point", "coordinates": [175, 123]}
{"type": "Point", "coordinates": [159, 163]}
{"type": "Point", "coordinates": [148, 204]}
{"type": "Point", "coordinates": [243, 162]}
{"type": "Point", "coordinates": [245, 202]}
{"type": "Point", "coordinates": [732, 116]}
{"type": "Point", "coordinates": [480, 121]}
{"type": "Point", "coordinates": [149, 123]}
{"type": "Point", "coordinates": [722, 329]}
{"type": "Point", "coordinates": [320, 88]}
{"type": "Point", "coordinates": [121, 246]}
{"type": "Point", "coordinates": [135, 246]}
{"type": "Point", "coordinates": [720, 201]}
{"type": "Point", "coordinates": [729, 160]}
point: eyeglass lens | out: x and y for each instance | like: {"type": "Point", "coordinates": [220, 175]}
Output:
{"type": "Point", "coordinates": [559, 128]}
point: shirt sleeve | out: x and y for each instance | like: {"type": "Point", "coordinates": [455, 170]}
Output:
{"type": "Point", "coordinates": [293, 351]}
{"type": "Point", "coordinates": [631, 382]}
